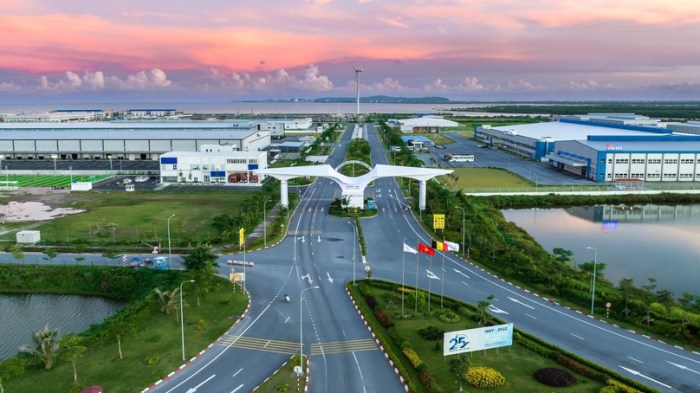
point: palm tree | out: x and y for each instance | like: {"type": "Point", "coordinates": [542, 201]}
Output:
{"type": "Point", "coordinates": [45, 347]}
{"type": "Point", "coordinates": [170, 299]}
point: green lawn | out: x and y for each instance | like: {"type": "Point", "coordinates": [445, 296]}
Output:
{"type": "Point", "coordinates": [468, 178]}
{"type": "Point", "coordinates": [134, 218]}
{"type": "Point", "coordinates": [516, 363]}
{"type": "Point", "coordinates": [50, 181]}
{"type": "Point", "coordinates": [159, 336]}
{"type": "Point", "coordinates": [438, 139]}
{"type": "Point", "coordinates": [284, 380]}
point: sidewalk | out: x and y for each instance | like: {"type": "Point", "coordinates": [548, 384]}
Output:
{"type": "Point", "coordinates": [269, 218]}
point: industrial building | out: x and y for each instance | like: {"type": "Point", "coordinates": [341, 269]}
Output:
{"type": "Point", "coordinates": [213, 165]}
{"type": "Point", "coordinates": [123, 140]}
{"type": "Point", "coordinates": [604, 147]}
{"type": "Point", "coordinates": [425, 124]}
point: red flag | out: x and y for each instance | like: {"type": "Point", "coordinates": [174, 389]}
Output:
{"type": "Point", "coordinates": [426, 249]}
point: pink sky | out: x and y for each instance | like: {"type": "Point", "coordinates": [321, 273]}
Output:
{"type": "Point", "coordinates": [464, 50]}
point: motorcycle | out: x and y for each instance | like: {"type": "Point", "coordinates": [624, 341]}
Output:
{"type": "Point", "coordinates": [287, 299]}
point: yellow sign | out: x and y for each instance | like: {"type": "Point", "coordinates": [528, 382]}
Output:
{"type": "Point", "coordinates": [236, 277]}
{"type": "Point", "coordinates": [438, 221]}
{"type": "Point", "coordinates": [241, 237]}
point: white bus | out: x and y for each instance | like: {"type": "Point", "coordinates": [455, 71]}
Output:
{"type": "Point", "coordinates": [459, 157]}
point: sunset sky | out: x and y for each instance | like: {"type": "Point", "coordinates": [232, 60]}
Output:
{"type": "Point", "coordinates": [104, 51]}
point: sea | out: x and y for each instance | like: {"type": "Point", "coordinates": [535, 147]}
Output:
{"type": "Point", "coordinates": [252, 108]}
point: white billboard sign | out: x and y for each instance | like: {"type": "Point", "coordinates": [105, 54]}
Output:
{"type": "Point", "coordinates": [477, 339]}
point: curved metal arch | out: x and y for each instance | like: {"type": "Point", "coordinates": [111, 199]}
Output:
{"type": "Point", "coordinates": [361, 163]}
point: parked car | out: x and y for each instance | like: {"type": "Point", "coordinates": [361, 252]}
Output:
{"type": "Point", "coordinates": [127, 180]}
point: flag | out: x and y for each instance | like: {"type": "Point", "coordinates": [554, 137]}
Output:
{"type": "Point", "coordinates": [452, 246]}
{"type": "Point", "coordinates": [407, 248]}
{"type": "Point", "coordinates": [241, 237]}
{"type": "Point", "coordinates": [425, 249]}
{"type": "Point", "coordinates": [440, 246]}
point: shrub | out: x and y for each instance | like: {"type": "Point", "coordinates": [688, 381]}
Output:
{"type": "Point", "coordinates": [448, 316]}
{"type": "Point", "coordinates": [371, 301]}
{"type": "Point", "coordinates": [152, 360]}
{"type": "Point", "coordinates": [384, 319]}
{"type": "Point", "coordinates": [555, 377]}
{"type": "Point", "coordinates": [412, 357]}
{"type": "Point", "coordinates": [428, 381]}
{"type": "Point", "coordinates": [485, 378]}
{"type": "Point", "coordinates": [608, 389]}
{"type": "Point", "coordinates": [395, 335]}
{"type": "Point", "coordinates": [621, 387]}
{"type": "Point", "coordinates": [201, 324]}
{"type": "Point", "coordinates": [431, 332]}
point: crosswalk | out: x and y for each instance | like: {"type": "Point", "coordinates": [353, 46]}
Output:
{"type": "Point", "coordinates": [343, 346]}
{"type": "Point", "coordinates": [291, 348]}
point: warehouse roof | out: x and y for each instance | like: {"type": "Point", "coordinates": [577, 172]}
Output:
{"type": "Point", "coordinates": [557, 131]}
{"type": "Point", "coordinates": [124, 130]}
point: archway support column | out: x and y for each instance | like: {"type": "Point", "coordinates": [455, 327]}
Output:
{"type": "Point", "coordinates": [284, 193]}
{"type": "Point", "coordinates": [421, 194]}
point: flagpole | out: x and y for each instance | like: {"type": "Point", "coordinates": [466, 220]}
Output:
{"type": "Point", "coordinates": [403, 270]}
{"type": "Point", "coordinates": [416, 290]}
{"type": "Point", "coordinates": [430, 280]}
{"type": "Point", "coordinates": [442, 284]}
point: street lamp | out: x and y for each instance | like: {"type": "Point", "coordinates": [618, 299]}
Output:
{"type": "Point", "coordinates": [301, 323]}
{"type": "Point", "coordinates": [110, 163]}
{"type": "Point", "coordinates": [54, 157]}
{"type": "Point", "coordinates": [595, 263]}
{"type": "Point", "coordinates": [170, 251]}
{"type": "Point", "coordinates": [354, 240]}
{"type": "Point", "coordinates": [462, 209]}
{"type": "Point", "coordinates": [182, 320]}
{"type": "Point", "coordinates": [264, 223]}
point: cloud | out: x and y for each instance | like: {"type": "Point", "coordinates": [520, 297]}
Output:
{"type": "Point", "coordinates": [387, 85]}
{"type": "Point", "coordinates": [470, 83]}
{"type": "Point", "coordinates": [8, 86]}
{"type": "Point", "coordinates": [155, 78]}
{"type": "Point", "coordinates": [436, 86]}
{"type": "Point", "coordinates": [395, 22]}
{"type": "Point", "coordinates": [309, 80]}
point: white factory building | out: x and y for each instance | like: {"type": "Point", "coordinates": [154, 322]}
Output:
{"type": "Point", "coordinates": [214, 164]}
{"type": "Point", "coordinates": [604, 147]}
{"type": "Point", "coordinates": [425, 124]}
{"type": "Point", "coordinates": [123, 140]}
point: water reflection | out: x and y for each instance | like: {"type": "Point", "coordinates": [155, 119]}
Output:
{"type": "Point", "coordinates": [635, 242]}
{"type": "Point", "coordinates": [22, 315]}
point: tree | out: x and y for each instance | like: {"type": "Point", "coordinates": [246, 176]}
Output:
{"type": "Point", "coordinates": [72, 350]}
{"type": "Point", "coordinates": [345, 202]}
{"type": "Point", "coordinates": [170, 299]}
{"type": "Point", "coordinates": [459, 365]}
{"type": "Point", "coordinates": [627, 286]}
{"type": "Point", "coordinates": [482, 305]}
{"type": "Point", "coordinates": [46, 347]}
{"type": "Point", "coordinates": [201, 262]}
{"type": "Point", "coordinates": [50, 254]}
{"type": "Point", "coordinates": [562, 255]}
{"type": "Point", "coordinates": [16, 252]}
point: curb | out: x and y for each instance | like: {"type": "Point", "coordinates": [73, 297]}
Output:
{"type": "Point", "coordinates": [188, 362]}
{"type": "Point", "coordinates": [376, 340]}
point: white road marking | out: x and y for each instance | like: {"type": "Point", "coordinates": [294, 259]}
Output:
{"type": "Point", "coordinates": [497, 310]}
{"type": "Point", "coordinates": [579, 337]}
{"type": "Point", "coordinates": [194, 389]}
{"type": "Point", "coordinates": [519, 302]}
{"type": "Point", "coordinates": [362, 378]}
{"type": "Point", "coordinates": [636, 360]}
{"type": "Point", "coordinates": [682, 367]}
{"type": "Point", "coordinates": [635, 372]}
{"type": "Point", "coordinates": [460, 272]}
{"type": "Point", "coordinates": [431, 275]}
{"type": "Point", "coordinates": [237, 389]}
{"type": "Point", "coordinates": [329, 277]}
{"type": "Point", "coordinates": [530, 316]}
{"type": "Point", "coordinates": [465, 283]}
{"type": "Point", "coordinates": [285, 321]}
{"type": "Point", "coordinates": [241, 369]}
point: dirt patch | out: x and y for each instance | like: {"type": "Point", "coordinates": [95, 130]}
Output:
{"type": "Point", "coordinates": [37, 205]}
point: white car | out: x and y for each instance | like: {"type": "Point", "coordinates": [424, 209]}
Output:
{"type": "Point", "coordinates": [141, 179]}
{"type": "Point", "coordinates": [126, 181]}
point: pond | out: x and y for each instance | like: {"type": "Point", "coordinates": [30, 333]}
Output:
{"type": "Point", "coordinates": [22, 315]}
{"type": "Point", "coordinates": [635, 242]}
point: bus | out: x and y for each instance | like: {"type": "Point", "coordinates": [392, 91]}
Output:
{"type": "Point", "coordinates": [459, 157]}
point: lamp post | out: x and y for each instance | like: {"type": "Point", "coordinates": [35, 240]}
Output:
{"type": "Point", "coordinates": [182, 320]}
{"type": "Point", "coordinates": [595, 264]}
{"type": "Point", "coordinates": [170, 251]}
{"type": "Point", "coordinates": [70, 170]}
{"type": "Point", "coordinates": [354, 241]}
{"type": "Point", "coordinates": [462, 209]}
{"type": "Point", "coordinates": [301, 323]}
{"type": "Point", "coordinates": [264, 223]}
{"type": "Point", "coordinates": [110, 163]}
{"type": "Point", "coordinates": [54, 157]}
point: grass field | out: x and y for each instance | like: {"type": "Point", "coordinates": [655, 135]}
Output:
{"type": "Point", "coordinates": [484, 178]}
{"type": "Point", "coordinates": [50, 181]}
{"type": "Point", "coordinates": [158, 336]}
{"type": "Point", "coordinates": [134, 218]}
{"type": "Point", "coordinates": [284, 380]}
{"type": "Point", "coordinates": [438, 139]}
{"type": "Point", "coordinates": [516, 362]}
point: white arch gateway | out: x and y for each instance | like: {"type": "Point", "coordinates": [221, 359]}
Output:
{"type": "Point", "coordinates": [353, 187]}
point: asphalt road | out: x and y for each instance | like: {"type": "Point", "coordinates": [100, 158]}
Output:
{"type": "Point", "coordinates": [318, 251]}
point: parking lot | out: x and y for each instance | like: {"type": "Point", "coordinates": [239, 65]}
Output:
{"type": "Point", "coordinates": [537, 172]}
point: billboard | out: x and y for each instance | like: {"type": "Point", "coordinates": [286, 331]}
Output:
{"type": "Point", "coordinates": [477, 339]}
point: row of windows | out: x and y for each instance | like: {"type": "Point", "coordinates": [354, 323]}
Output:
{"type": "Point", "coordinates": [652, 161]}
{"type": "Point", "coordinates": [650, 176]}
{"type": "Point", "coordinates": [241, 160]}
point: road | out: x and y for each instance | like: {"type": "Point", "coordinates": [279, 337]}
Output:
{"type": "Point", "coordinates": [318, 251]}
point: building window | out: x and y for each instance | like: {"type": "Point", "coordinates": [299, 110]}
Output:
{"type": "Point", "coordinates": [670, 161]}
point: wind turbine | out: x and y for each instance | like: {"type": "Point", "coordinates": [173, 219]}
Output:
{"type": "Point", "coordinates": [357, 86]}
